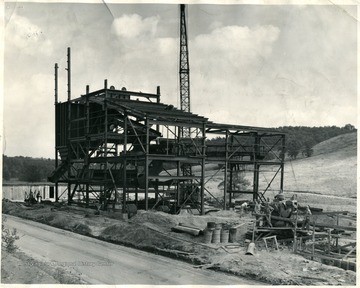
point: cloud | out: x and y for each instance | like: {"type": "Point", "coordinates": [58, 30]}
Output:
{"type": "Point", "coordinates": [21, 33]}
{"type": "Point", "coordinates": [133, 26]}
{"type": "Point", "coordinates": [225, 62]}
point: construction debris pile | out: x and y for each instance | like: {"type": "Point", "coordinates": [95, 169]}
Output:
{"type": "Point", "coordinates": [311, 232]}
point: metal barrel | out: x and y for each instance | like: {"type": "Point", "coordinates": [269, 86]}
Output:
{"type": "Point", "coordinates": [218, 225]}
{"type": "Point", "coordinates": [224, 236]}
{"type": "Point", "coordinates": [232, 235]}
{"type": "Point", "coordinates": [216, 236]}
{"type": "Point", "coordinates": [208, 234]}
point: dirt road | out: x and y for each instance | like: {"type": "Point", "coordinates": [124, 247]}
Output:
{"type": "Point", "coordinates": [99, 262]}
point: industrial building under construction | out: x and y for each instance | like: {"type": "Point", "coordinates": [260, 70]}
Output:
{"type": "Point", "coordinates": [116, 147]}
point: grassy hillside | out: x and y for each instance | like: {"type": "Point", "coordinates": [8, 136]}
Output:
{"type": "Point", "coordinates": [331, 170]}
{"type": "Point", "coordinates": [344, 145]}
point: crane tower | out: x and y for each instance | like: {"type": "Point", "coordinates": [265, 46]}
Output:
{"type": "Point", "coordinates": [184, 69]}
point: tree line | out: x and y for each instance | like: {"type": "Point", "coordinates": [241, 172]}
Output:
{"type": "Point", "coordinates": [27, 168]}
{"type": "Point", "coordinates": [299, 140]}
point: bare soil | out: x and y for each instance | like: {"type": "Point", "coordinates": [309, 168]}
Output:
{"type": "Point", "coordinates": [13, 271]}
{"type": "Point", "coordinates": [151, 231]}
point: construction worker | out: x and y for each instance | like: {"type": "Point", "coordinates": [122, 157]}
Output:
{"type": "Point", "coordinates": [267, 211]}
{"type": "Point", "coordinates": [257, 211]}
{"type": "Point", "coordinates": [279, 197]}
{"type": "Point", "coordinates": [38, 197]}
{"type": "Point", "coordinates": [306, 223]}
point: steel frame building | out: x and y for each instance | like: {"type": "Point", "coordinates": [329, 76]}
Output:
{"type": "Point", "coordinates": [113, 145]}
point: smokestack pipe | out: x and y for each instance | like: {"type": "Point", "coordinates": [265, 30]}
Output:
{"type": "Point", "coordinates": [69, 72]}
{"type": "Point", "coordinates": [56, 83]}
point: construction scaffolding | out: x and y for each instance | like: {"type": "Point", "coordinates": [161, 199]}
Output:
{"type": "Point", "coordinates": [118, 147]}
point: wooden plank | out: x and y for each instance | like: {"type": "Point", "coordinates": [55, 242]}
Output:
{"type": "Point", "coordinates": [347, 254]}
{"type": "Point", "coordinates": [338, 227]}
{"type": "Point", "coordinates": [347, 245]}
{"type": "Point", "coordinates": [276, 217]}
{"type": "Point", "coordinates": [331, 213]}
{"type": "Point", "coordinates": [269, 229]}
{"type": "Point", "coordinates": [322, 257]}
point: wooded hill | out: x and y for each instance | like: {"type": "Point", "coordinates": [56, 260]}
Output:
{"type": "Point", "coordinates": [299, 140]}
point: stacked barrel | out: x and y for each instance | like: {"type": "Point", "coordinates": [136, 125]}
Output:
{"type": "Point", "coordinates": [219, 233]}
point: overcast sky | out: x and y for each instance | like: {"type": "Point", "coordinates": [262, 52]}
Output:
{"type": "Point", "coordinates": [253, 65]}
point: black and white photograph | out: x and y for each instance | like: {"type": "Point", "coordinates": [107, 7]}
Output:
{"type": "Point", "coordinates": [179, 143]}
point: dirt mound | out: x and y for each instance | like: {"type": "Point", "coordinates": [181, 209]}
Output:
{"type": "Point", "coordinates": [164, 222]}
{"type": "Point", "coordinates": [160, 220]}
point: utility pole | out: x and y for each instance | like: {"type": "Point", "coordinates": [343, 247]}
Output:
{"type": "Point", "coordinates": [184, 70]}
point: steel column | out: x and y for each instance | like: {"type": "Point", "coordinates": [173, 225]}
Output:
{"type": "Point", "coordinates": [69, 118]}
{"type": "Point", "coordinates": [282, 163]}
{"type": "Point", "coordinates": [105, 146]}
{"type": "Point", "coordinates": [147, 165]}
{"type": "Point", "coordinates": [56, 132]}
{"type": "Point", "coordinates": [203, 150]}
{"type": "Point", "coordinates": [87, 156]}
{"type": "Point", "coordinates": [226, 169]}
{"type": "Point", "coordinates": [256, 167]}
{"type": "Point", "coordinates": [125, 162]}
{"type": "Point", "coordinates": [178, 170]}
{"type": "Point", "coordinates": [231, 172]}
